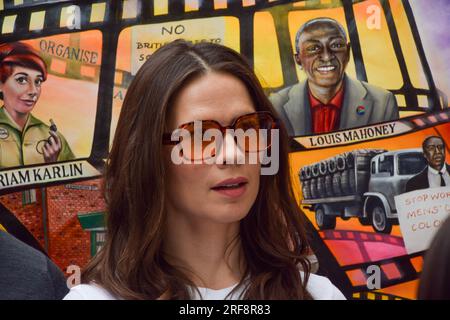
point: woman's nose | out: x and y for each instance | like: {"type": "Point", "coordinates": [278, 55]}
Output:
{"type": "Point", "coordinates": [230, 153]}
{"type": "Point", "coordinates": [32, 90]}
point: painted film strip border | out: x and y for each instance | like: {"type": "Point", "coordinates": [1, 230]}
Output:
{"type": "Point", "coordinates": [52, 18]}
{"type": "Point", "coordinates": [29, 17]}
{"type": "Point", "coordinates": [393, 271]}
{"type": "Point", "coordinates": [165, 6]}
{"type": "Point", "coordinates": [361, 236]}
{"type": "Point", "coordinates": [425, 121]}
{"type": "Point", "coordinates": [94, 14]}
{"type": "Point", "coordinates": [375, 296]}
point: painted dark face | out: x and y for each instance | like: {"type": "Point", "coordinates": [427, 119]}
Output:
{"type": "Point", "coordinates": [434, 152]}
{"type": "Point", "coordinates": [324, 54]}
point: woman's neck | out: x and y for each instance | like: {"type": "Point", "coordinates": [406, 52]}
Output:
{"type": "Point", "coordinates": [211, 251]}
{"type": "Point", "coordinates": [19, 118]}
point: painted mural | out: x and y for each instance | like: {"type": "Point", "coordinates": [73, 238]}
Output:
{"type": "Point", "coordinates": [359, 162]}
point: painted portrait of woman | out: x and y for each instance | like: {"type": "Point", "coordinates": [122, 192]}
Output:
{"type": "Point", "coordinates": [25, 139]}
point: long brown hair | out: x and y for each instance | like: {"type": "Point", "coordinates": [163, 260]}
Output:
{"type": "Point", "coordinates": [131, 264]}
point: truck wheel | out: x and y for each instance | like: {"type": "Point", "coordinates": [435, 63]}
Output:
{"type": "Point", "coordinates": [329, 185]}
{"type": "Point", "coordinates": [380, 222]}
{"type": "Point", "coordinates": [352, 181]}
{"type": "Point", "coordinates": [337, 184]}
{"type": "Point", "coordinates": [324, 221]}
{"type": "Point", "coordinates": [345, 182]}
{"type": "Point", "coordinates": [365, 221]}
{"type": "Point", "coordinates": [313, 187]}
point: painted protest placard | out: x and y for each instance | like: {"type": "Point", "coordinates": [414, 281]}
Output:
{"type": "Point", "coordinates": [420, 214]}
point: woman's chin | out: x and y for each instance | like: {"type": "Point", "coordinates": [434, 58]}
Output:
{"type": "Point", "coordinates": [229, 214]}
{"type": "Point", "coordinates": [25, 109]}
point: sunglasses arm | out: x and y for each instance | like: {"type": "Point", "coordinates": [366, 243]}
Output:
{"type": "Point", "coordinates": [167, 139]}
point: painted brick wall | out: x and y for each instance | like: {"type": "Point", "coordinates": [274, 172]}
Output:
{"type": "Point", "coordinates": [29, 215]}
{"type": "Point", "coordinates": [68, 242]}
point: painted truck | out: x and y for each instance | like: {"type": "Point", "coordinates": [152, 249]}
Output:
{"type": "Point", "coordinates": [360, 184]}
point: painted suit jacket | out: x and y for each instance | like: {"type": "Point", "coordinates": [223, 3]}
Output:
{"type": "Point", "coordinates": [293, 107]}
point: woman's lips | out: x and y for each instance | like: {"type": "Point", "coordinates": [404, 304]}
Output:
{"type": "Point", "coordinates": [29, 103]}
{"type": "Point", "coordinates": [232, 188]}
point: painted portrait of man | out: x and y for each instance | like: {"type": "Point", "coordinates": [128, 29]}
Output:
{"type": "Point", "coordinates": [436, 174]}
{"type": "Point", "coordinates": [329, 99]}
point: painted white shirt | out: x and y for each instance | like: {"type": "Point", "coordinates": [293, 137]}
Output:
{"type": "Point", "coordinates": [434, 179]}
{"type": "Point", "coordinates": [319, 287]}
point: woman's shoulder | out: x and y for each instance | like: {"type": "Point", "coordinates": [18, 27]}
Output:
{"type": "Point", "coordinates": [321, 288]}
{"type": "Point", "coordinates": [90, 291]}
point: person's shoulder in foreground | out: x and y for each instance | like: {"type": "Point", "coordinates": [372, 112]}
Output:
{"type": "Point", "coordinates": [90, 291]}
{"type": "Point", "coordinates": [319, 287]}
{"type": "Point", "coordinates": [27, 274]}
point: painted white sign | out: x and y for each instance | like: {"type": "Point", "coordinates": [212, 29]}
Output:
{"type": "Point", "coordinates": [62, 171]}
{"type": "Point", "coordinates": [420, 214]}
{"type": "Point", "coordinates": [377, 131]}
{"type": "Point", "coordinates": [146, 39]}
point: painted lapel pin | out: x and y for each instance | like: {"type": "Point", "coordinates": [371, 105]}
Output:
{"type": "Point", "coordinates": [4, 133]}
{"type": "Point", "coordinates": [360, 110]}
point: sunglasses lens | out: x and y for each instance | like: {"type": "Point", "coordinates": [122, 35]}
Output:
{"type": "Point", "coordinates": [194, 146]}
{"type": "Point", "coordinates": [252, 134]}
{"type": "Point", "coordinates": [257, 130]}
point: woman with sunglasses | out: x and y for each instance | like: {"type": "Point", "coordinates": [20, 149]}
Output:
{"type": "Point", "coordinates": [24, 139]}
{"type": "Point", "coordinates": [199, 229]}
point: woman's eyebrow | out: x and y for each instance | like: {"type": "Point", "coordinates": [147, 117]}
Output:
{"type": "Point", "coordinates": [27, 75]}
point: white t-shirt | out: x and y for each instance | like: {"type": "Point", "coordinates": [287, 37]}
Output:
{"type": "Point", "coordinates": [319, 287]}
{"type": "Point", "coordinates": [434, 178]}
